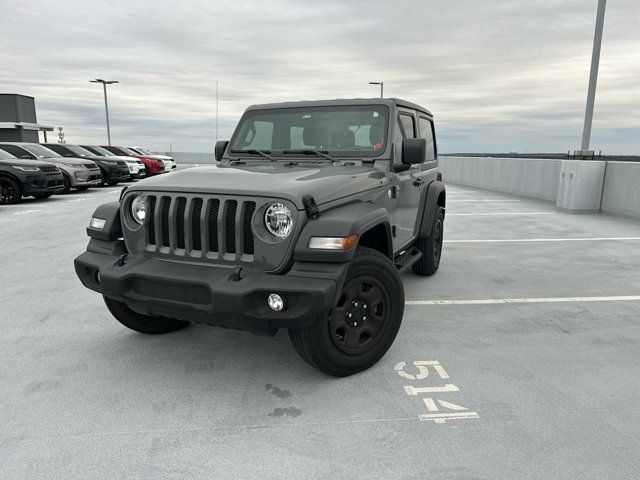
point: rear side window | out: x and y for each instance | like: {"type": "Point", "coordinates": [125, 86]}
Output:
{"type": "Point", "coordinates": [426, 132]}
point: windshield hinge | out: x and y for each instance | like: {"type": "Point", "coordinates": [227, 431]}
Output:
{"type": "Point", "coordinates": [310, 206]}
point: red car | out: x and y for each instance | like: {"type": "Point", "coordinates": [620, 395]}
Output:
{"type": "Point", "coordinates": [154, 166]}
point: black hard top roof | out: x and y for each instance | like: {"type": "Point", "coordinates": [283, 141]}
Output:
{"type": "Point", "coordinates": [342, 101]}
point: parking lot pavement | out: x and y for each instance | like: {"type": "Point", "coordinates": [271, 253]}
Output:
{"type": "Point", "coordinates": [519, 359]}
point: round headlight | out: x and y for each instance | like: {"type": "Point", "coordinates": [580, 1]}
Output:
{"type": "Point", "coordinates": [278, 220]}
{"type": "Point", "coordinates": [138, 209]}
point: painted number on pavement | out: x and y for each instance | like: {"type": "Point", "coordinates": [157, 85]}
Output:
{"type": "Point", "coordinates": [438, 410]}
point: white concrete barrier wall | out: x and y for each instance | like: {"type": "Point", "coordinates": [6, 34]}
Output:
{"type": "Point", "coordinates": [195, 158]}
{"type": "Point", "coordinates": [574, 185]}
{"type": "Point", "coordinates": [519, 176]}
{"type": "Point", "coordinates": [622, 189]}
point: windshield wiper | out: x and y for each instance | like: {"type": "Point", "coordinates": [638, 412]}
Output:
{"type": "Point", "coordinates": [319, 153]}
{"type": "Point", "coordinates": [256, 152]}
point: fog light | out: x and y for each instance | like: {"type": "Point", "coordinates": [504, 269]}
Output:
{"type": "Point", "coordinates": [97, 223]}
{"type": "Point", "coordinates": [276, 302]}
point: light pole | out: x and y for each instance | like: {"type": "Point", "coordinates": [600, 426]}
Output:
{"type": "Point", "coordinates": [106, 104]}
{"type": "Point", "coordinates": [381, 87]}
{"type": "Point", "coordinates": [593, 78]}
{"type": "Point", "coordinates": [216, 110]}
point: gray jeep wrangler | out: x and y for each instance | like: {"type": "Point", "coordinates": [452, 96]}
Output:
{"type": "Point", "coordinates": [305, 223]}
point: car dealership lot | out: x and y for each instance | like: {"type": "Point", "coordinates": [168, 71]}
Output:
{"type": "Point", "coordinates": [526, 342]}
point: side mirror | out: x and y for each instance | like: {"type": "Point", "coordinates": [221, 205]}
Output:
{"type": "Point", "coordinates": [414, 150]}
{"type": "Point", "coordinates": [221, 146]}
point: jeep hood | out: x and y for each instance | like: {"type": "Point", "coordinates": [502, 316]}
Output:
{"type": "Point", "coordinates": [322, 181]}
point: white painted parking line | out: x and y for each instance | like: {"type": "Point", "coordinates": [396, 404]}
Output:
{"type": "Point", "coordinates": [534, 240]}
{"type": "Point", "coordinates": [24, 212]}
{"type": "Point", "coordinates": [503, 301]}
{"type": "Point", "coordinates": [483, 200]}
{"type": "Point", "coordinates": [497, 213]}
{"type": "Point", "coordinates": [76, 200]}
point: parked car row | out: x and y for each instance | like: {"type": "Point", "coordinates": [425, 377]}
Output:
{"type": "Point", "coordinates": [41, 170]}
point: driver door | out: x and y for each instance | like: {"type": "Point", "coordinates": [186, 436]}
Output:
{"type": "Point", "coordinates": [408, 186]}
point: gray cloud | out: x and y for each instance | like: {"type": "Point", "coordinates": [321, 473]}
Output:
{"type": "Point", "coordinates": [498, 75]}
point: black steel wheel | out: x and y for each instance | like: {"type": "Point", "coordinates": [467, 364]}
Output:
{"type": "Point", "coordinates": [9, 191]}
{"type": "Point", "coordinates": [431, 247]}
{"type": "Point", "coordinates": [358, 318]}
{"type": "Point", "coordinates": [363, 324]}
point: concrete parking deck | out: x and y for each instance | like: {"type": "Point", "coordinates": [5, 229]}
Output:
{"type": "Point", "coordinates": [519, 359]}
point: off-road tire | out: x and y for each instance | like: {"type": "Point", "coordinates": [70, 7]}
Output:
{"type": "Point", "coordinates": [10, 191]}
{"type": "Point", "coordinates": [142, 323]}
{"type": "Point", "coordinates": [431, 247]}
{"type": "Point", "coordinates": [67, 184]}
{"type": "Point", "coordinates": [318, 344]}
{"type": "Point", "coordinates": [42, 196]}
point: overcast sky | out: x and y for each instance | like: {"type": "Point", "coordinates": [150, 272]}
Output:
{"type": "Point", "coordinates": [498, 75]}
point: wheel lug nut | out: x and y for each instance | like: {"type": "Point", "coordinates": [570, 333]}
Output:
{"type": "Point", "coordinates": [355, 304]}
{"type": "Point", "coordinates": [364, 305]}
{"type": "Point", "coordinates": [349, 315]}
{"type": "Point", "coordinates": [364, 318]}
{"type": "Point", "coordinates": [355, 324]}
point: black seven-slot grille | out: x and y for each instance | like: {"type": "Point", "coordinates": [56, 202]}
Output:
{"type": "Point", "coordinates": [188, 225]}
{"type": "Point", "coordinates": [49, 169]}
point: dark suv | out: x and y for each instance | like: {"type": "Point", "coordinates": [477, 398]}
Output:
{"type": "Point", "coordinates": [26, 178]}
{"type": "Point", "coordinates": [112, 171]}
{"type": "Point", "coordinates": [306, 222]}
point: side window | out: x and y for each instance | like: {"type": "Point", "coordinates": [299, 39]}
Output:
{"type": "Point", "coordinates": [407, 126]}
{"type": "Point", "coordinates": [426, 132]}
{"type": "Point", "coordinates": [16, 151]}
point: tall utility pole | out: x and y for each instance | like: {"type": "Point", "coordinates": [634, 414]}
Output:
{"type": "Point", "coordinates": [106, 104]}
{"type": "Point", "coordinates": [593, 78]}
{"type": "Point", "coordinates": [216, 110]}
{"type": "Point", "coordinates": [381, 87]}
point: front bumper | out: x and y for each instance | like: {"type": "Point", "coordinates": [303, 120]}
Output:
{"type": "Point", "coordinates": [86, 178]}
{"type": "Point", "coordinates": [43, 183]}
{"type": "Point", "coordinates": [208, 294]}
{"type": "Point", "coordinates": [114, 173]}
{"type": "Point", "coordinates": [142, 172]}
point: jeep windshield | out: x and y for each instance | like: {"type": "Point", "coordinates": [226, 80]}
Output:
{"type": "Point", "coordinates": [340, 131]}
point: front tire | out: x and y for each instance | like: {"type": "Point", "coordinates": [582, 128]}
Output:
{"type": "Point", "coordinates": [142, 323]}
{"type": "Point", "coordinates": [9, 191]}
{"type": "Point", "coordinates": [363, 324]}
{"type": "Point", "coordinates": [66, 183]}
{"type": "Point", "coordinates": [431, 247]}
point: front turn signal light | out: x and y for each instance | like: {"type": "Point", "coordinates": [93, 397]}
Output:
{"type": "Point", "coordinates": [333, 243]}
{"type": "Point", "coordinates": [97, 223]}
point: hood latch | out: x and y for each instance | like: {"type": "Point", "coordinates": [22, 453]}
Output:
{"type": "Point", "coordinates": [310, 206]}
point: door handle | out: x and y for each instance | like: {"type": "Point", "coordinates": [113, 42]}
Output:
{"type": "Point", "coordinates": [417, 182]}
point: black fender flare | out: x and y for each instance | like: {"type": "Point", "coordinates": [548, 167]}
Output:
{"type": "Point", "coordinates": [343, 221]}
{"type": "Point", "coordinates": [112, 230]}
{"type": "Point", "coordinates": [430, 206]}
